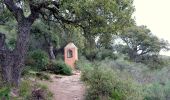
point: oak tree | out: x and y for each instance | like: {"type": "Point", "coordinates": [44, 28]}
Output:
{"type": "Point", "coordinates": [93, 16]}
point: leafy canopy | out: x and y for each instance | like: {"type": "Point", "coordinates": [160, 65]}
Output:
{"type": "Point", "coordinates": [140, 41]}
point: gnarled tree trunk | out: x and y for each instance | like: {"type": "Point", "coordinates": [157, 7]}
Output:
{"type": "Point", "coordinates": [12, 62]}
{"type": "Point", "coordinates": [20, 51]}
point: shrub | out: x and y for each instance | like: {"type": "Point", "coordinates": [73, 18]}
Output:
{"type": "Point", "coordinates": [82, 62]}
{"type": "Point", "coordinates": [38, 60]}
{"type": "Point", "coordinates": [106, 84]}
{"type": "Point", "coordinates": [85, 66]}
{"type": "Point", "coordinates": [112, 80]}
{"type": "Point", "coordinates": [86, 73]}
{"type": "Point", "coordinates": [157, 91]}
{"type": "Point", "coordinates": [26, 70]}
{"type": "Point", "coordinates": [25, 89]}
{"type": "Point", "coordinates": [90, 53]}
{"type": "Point", "coordinates": [40, 75]}
{"type": "Point", "coordinates": [43, 76]}
{"type": "Point", "coordinates": [29, 90]}
{"type": "Point", "coordinates": [5, 93]}
{"type": "Point", "coordinates": [59, 68]}
{"type": "Point", "coordinates": [103, 54]}
{"type": "Point", "coordinates": [41, 92]}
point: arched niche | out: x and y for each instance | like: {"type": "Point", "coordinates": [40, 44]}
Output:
{"type": "Point", "coordinates": [69, 53]}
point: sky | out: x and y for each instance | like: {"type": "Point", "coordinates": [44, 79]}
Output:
{"type": "Point", "coordinates": [155, 14]}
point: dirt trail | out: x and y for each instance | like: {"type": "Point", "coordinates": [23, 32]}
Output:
{"type": "Point", "coordinates": [67, 87]}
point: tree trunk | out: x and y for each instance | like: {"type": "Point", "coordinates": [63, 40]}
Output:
{"type": "Point", "coordinates": [13, 61]}
{"type": "Point", "coordinates": [4, 60]}
{"type": "Point", "coordinates": [20, 51]}
{"type": "Point", "coordinates": [51, 51]}
{"type": "Point", "coordinates": [6, 65]}
{"type": "Point", "coordinates": [50, 47]}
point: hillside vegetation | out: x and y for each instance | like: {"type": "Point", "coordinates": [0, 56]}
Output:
{"type": "Point", "coordinates": [123, 80]}
{"type": "Point", "coordinates": [118, 59]}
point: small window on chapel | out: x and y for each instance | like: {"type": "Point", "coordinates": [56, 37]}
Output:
{"type": "Point", "coordinates": [69, 54]}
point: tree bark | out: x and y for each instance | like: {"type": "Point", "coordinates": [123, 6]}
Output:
{"type": "Point", "coordinates": [20, 51]}
{"type": "Point", "coordinates": [12, 62]}
{"type": "Point", "coordinates": [50, 47]}
{"type": "Point", "coordinates": [4, 63]}
{"type": "Point", "coordinates": [51, 51]}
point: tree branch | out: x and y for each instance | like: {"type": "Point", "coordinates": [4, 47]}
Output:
{"type": "Point", "coordinates": [2, 46]}
{"type": "Point", "coordinates": [2, 40]}
{"type": "Point", "coordinates": [144, 52]}
{"type": "Point", "coordinates": [36, 8]}
{"type": "Point", "coordinates": [18, 12]}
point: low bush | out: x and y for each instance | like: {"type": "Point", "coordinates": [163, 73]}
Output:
{"type": "Point", "coordinates": [43, 76]}
{"type": "Point", "coordinates": [118, 80]}
{"type": "Point", "coordinates": [5, 93]}
{"type": "Point", "coordinates": [41, 92]}
{"type": "Point", "coordinates": [25, 89]}
{"type": "Point", "coordinates": [90, 54]}
{"type": "Point", "coordinates": [157, 91]}
{"type": "Point", "coordinates": [39, 75]}
{"type": "Point", "coordinates": [26, 70]}
{"type": "Point", "coordinates": [59, 68]}
{"type": "Point", "coordinates": [38, 60]}
{"type": "Point", "coordinates": [83, 63]}
{"type": "Point", "coordinates": [29, 90]}
{"type": "Point", "coordinates": [103, 54]}
{"type": "Point", "coordinates": [106, 84]}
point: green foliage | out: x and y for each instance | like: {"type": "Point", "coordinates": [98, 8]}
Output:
{"type": "Point", "coordinates": [42, 29]}
{"type": "Point", "coordinates": [42, 92]}
{"type": "Point", "coordinates": [141, 44]}
{"type": "Point", "coordinates": [90, 53]}
{"type": "Point", "coordinates": [100, 19]}
{"type": "Point", "coordinates": [59, 68]}
{"type": "Point", "coordinates": [154, 84]}
{"type": "Point", "coordinates": [9, 29]}
{"type": "Point", "coordinates": [106, 84]}
{"type": "Point", "coordinates": [82, 62]}
{"type": "Point", "coordinates": [85, 66]}
{"type": "Point", "coordinates": [26, 70]}
{"type": "Point", "coordinates": [74, 34]}
{"type": "Point", "coordinates": [43, 76]}
{"type": "Point", "coordinates": [106, 53]}
{"type": "Point", "coordinates": [105, 40]}
{"type": "Point", "coordinates": [157, 91]}
{"type": "Point", "coordinates": [155, 62]}
{"type": "Point", "coordinates": [25, 89]}
{"type": "Point", "coordinates": [38, 60]}
{"type": "Point", "coordinates": [29, 90]}
{"type": "Point", "coordinates": [99, 54]}
{"type": "Point", "coordinates": [5, 93]}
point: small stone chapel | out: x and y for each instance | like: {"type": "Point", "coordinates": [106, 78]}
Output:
{"type": "Point", "coordinates": [70, 54]}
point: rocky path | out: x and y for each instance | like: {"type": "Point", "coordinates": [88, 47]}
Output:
{"type": "Point", "coordinates": [67, 87]}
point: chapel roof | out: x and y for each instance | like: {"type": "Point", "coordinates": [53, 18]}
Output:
{"type": "Point", "coordinates": [70, 45]}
